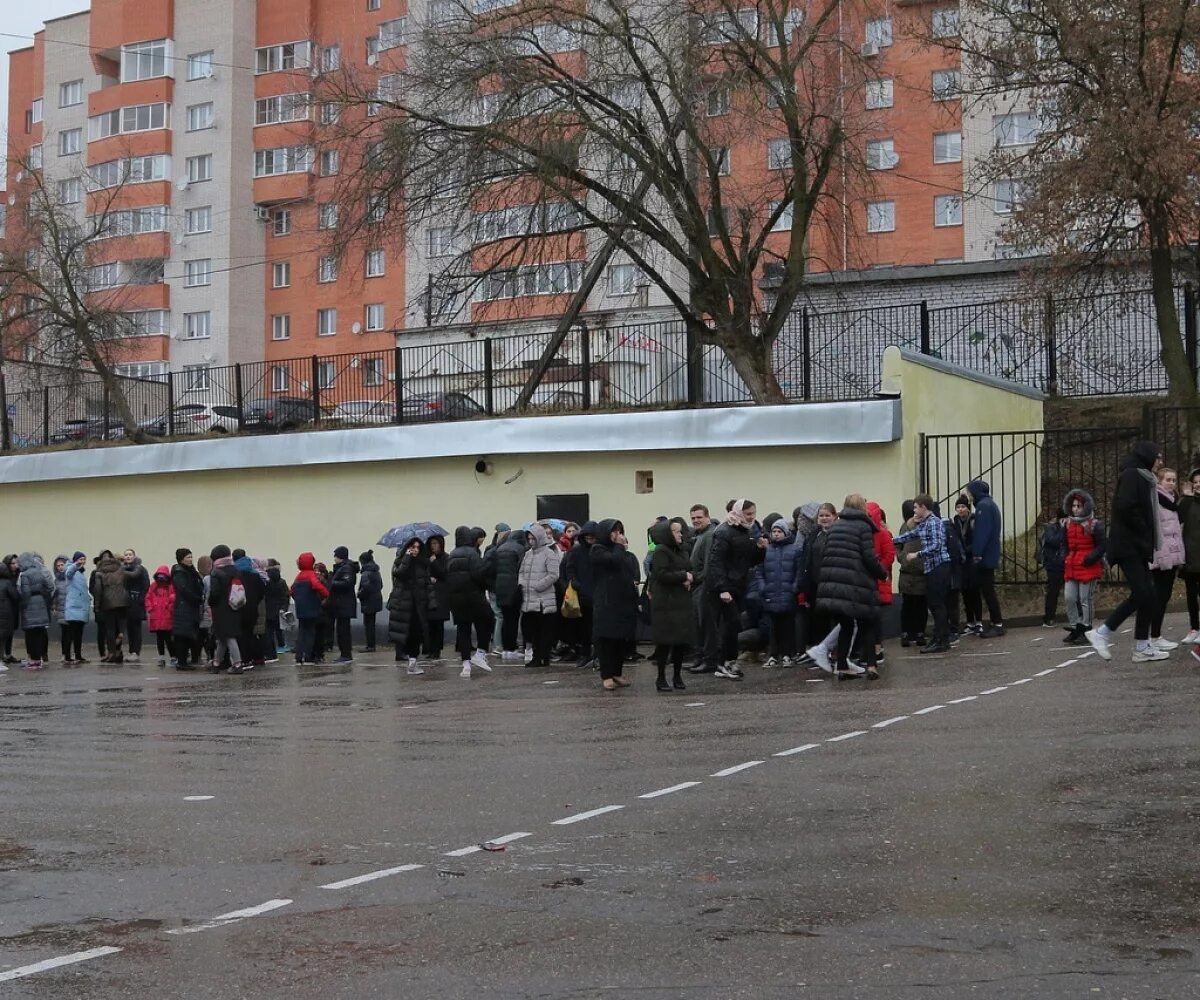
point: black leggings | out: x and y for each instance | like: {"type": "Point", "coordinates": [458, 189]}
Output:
{"type": "Point", "coordinates": [676, 654]}
{"type": "Point", "coordinates": [435, 639]}
{"type": "Point", "coordinates": [37, 643]}
{"type": "Point", "coordinates": [1164, 584]}
{"type": "Point", "coordinates": [783, 633]}
{"type": "Point", "coordinates": [1192, 583]}
{"type": "Point", "coordinates": [165, 647]}
{"type": "Point", "coordinates": [1142, 599]}
{"type": "Point", "coordinates": [913, 612]}
{"type": "Point", "coordinates": [463, 624]}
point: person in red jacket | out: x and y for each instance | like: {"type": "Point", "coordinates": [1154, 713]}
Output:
{"type": "Point", "coordinates": [885, 552]}
{"type": "Point", "coordinates": [309, 592]}
{"type": "Point", "coordinates": [1083, 565]}
{"type": "Point", "coordinates": [160, 612]}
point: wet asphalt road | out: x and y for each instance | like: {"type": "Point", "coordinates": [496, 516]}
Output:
{"type": "Point", "coordinates": [1038, 841]}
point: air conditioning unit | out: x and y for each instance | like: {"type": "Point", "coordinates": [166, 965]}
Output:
{"type": "Point", "coordinates": [870, 49]}
{"type": "Point", "coordinates": [262, 213]}
{"type": "Point", "coordinates": [372, 59]}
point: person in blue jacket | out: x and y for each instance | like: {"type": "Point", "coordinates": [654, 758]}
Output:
{"type": "Point", "coordinates": [780, 572]}
{"type": "Point", "coordinates": [985, 553]}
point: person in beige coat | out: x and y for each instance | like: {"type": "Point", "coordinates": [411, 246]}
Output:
{"type": "Point", "coordinates": [538, 578]}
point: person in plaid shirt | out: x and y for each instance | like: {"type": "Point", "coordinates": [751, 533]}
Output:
{"type": "Point", "coordinates": [935, 558]}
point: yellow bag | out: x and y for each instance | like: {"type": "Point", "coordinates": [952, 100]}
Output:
{"type": "Point", "coordinates": [570, 604]}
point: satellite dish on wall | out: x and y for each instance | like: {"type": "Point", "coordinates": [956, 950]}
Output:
{"type": "Point", "coordinates": [183, 185]}
{"type": "Point", "coordinates": [356, 328]}
{"type": "Point", "coordinates": [12, 199]}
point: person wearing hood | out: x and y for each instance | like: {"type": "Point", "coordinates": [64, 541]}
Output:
{"type": "Point", "coordinates": [468, 578]}
{"type": "Point", "coordinates": [76, 609]}
{"type": "Point", "coordinates": [615, 596]}
{"type": "Point", "coordinates": [672, 623]}
{"type": "Point", "coordinates": [439, 611]}
{"type": "Point", "coordinates": [577, 572]}
{"type": "Point", "coordinates": [342, 602]}
{"type": "Point", "coordinates": [409, 604]}
{"type": "Point", "coordinates": [732, 556]}
{"type": "Point", "coordinates": [252, 638]}
{"type": "Point", "coordinates": [499, 536]}
{"type": "Point", "coordinates": [1169, 554]}
{"type": "Point", "coordinates": [227, 599]}
{"type": "Point", "coordinates": [780, 585]}
{"type": "Point", "coordinates": [507, 557]}
{"type": "Point", "coordinates": [35, 587]}
{"type": "Point", "coordinates": [538, 578]}
{"type": "Point", "coordinates": [160, 613]}
{"type": "Point", "coordinates": [137, 582]}
{"type": "Point", "coordinates": [1083, 563]}
{"type": "Point", "coordinates": [309, 592]}
{"type": "Point", "coordinates": [849, 585]}
{"type": "Point", "coordinates": [370, 595]}
{"type": "Point", "coordinates": [276, 603]}
{"type": "Point", "coordinates": [112, 604]}
{"type": "Point", "coordinates": [985, 553]}
{"type": "Point", "coordinates": [1134, 533]}
{"type": "Point", "coordinates": [1189, 517]}
{"type": "Point", "coordinates": [187, 611]}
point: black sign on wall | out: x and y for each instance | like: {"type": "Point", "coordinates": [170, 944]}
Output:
{"type": "Point", "coordinates": [569, 506]}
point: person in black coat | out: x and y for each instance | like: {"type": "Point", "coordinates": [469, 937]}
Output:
{"type": "Point", "coordinates": [507, 559]}
{"type": "Point", "coordinates": [410, 602]}
{"type": "Point", "coordinates": [672, 622]}
{"type": "Point", "coordinates": [468, 578]}
{"type": "Point", "coordinates": [615, 601]}
{"type": "Point", "coordinates": [732, 556]}
{"type": "Point", "coordinates": [226, 619]}
{"type": "Point", "coordinates": [137, 582]}
{"type": "Point", "coordinates": [370, 595]}
{"type": "Point", "coordinates": [1133, 535]}
{"type": "Point", "coordinates": [439, 613]}
{"type": "Point", "coordinates": [252, 640]}
{"type": "Point", "coordinates": [343, 585]}
{"type": "Point", "coordinates": [278, 600]}
{"type": "Point", "coordinates": [849, 583]}
{"type": "Point", "coordinates": [10, 608]}
{"type": "Point", "coordinates": [576, 571]}
{"type": "Point", "coordinates": [185, 618]}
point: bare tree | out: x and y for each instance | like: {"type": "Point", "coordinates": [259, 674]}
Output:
{"type": "Point", "coordinates": [539, 130]}
{"type": "Point", "coordinates": [1098, 113]}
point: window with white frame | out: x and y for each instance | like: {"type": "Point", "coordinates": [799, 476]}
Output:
{"type": "Point", "coordinates": [282, 160]}
{"type": "Point", "coordinates": [70, 191]}
{"type": "Point", "coordinates": [136, 118]}
{"type": "Point", "coordinates": [881, 154]}
{"type": "Point", "coordinates": [149, 322]}
{"type": "Point", "coordinates": [156, 370]}
{"type": "Point", "coordinates": [879, 94]}
{"type": "Point", "coordinates": [327, 269]}
{"type": "Point", "coordinates": [35, 157]}
{"type": "Point", "coordinates": [197, 273]}
{"type": "Point", "coordinates": [70, 93]}
{"type": "Point", "coordinates": [944, 22]}
{"type": "Point", "coordinates": [281, 274]}
{"type": "Point", "coordinates": [200, 117]}
{"type": "Point", "coordinates": [372, 50]}
{"type": "Point", "coordinates": [145, 60]}
{"type": "Point", "coordinates": [376, 263]}
{"type": "Point", "coordinates": [291, 55]}
{"type": "Point", "coordinates": [198, 220]}
{"type": "Point", "coordinates": [281, 222]}
{"type": "Point", "coordinates": [326, 374]}
{"type": "Point", "coordinates": [147, 271]}
{"type": "Point", "coordinates": [200, 65]}
{"type": "Point", "coordinates": [1020, 128]}
{"type": "Point", "coordinates": [373, 314]}
{"type": "Point", "coordinates": [372, 4]}
{"type": "Point", "coordinates": [784, 222]}
{"type": "Point", "coordinates": [947, 147]}
{"type": "Point", "coordinates": [622, 279]}
{"type": "Point", "coordinates": [779, 154]}
{"type": "Point", "coordinates": [196, 325]}
{"type": "Point", "coordinates": [132, 221]}
{"type": "Point", "coordinates": [720, 156]}
{"type": "Point", "coordinates": [881, 216]}
{"type": "Point", "coordinates": [199, 168]}
{"type": "Point", "coordinates": [329, 162]}
{"type": "Point", "coordinates": [331, 112]}
{"type": "Point", "coordinates": [331, 58]}
{"type": "Point", "coordinates": [716, 102]}
{"type": "Point", "coordinates": [377, 206]}
{"type": "Point", "coordinates": [326, 322]}
{"type": "Point", "coordinates": [878, 32]}
{"type": "Point", "coordinates": [70, 141]}
{"type": "Point", "coordinates": [441, 241]}
{"type": "Point", "coordinates": [945, 84]}
{"type": "Point", "coordinates": [280, 378]}
{"type": "Point", "coordinates": [537, 279]}
{"type": "Point", "coordinates": [196, 378]}
{"type": "Point", "coordinates": [372, 371]}
{"type": "Point", "coordinates": [101, 276]}
{"type": "Point", "coordinates": [282, 108]}
{"type": "Point", "coordinates": [327, 215]}
{"type": "Point", "coordinates": [281, 326]}
{"type": "Point", "coordinates": [133, 170]}
{"type": "Point", "coordinates": [947, 210]}
{"type": "Point", "coordinates": [1008, 194]}
{"type": "Point", "coordinates": [37, 111]}
{"type": "Point", "coordinates": [722, 27]}
{"type": "Point", "coordinates": [391, 33]}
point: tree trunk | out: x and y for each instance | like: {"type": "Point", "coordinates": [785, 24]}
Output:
{"type": "Point", "coordinates": [116, 395]}
{"type": "Point", "coordinates": [1181, 381]}
{"type": "Point", "coordinates": [751, 358]}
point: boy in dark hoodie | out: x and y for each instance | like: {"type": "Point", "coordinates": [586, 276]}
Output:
{"type": "Point", "coordinates": [309, 592]}
{"type": "Point", "coordinates": [277, 600]}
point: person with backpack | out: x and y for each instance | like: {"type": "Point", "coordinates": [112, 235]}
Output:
{"type": "Point", "coordinates": [1051, 555]}
{"type": "Point", "coordinates": [160, 613]}
{"type": "Point", "coordinates": [227, 599]}
{"type": "Point", "coordinates": [309, 592]}
{"type": "Point", "coordinates": [343, 603]}
{"type": "Point", "coordinates": [1083, 563]}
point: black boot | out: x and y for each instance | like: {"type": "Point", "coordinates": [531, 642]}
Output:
{"type": "Point", "coordinates": [677, 682]}
{"type": "Point", "coordinates": [661, 684]}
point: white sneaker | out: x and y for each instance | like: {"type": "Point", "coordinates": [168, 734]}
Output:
{"type": "Point", "coordinates": [1164, 644]}
{"type": "Point", "coordinates": [3, 669]}
{"type": "Point", "coordinates": [131, 658]}
{"type": "Point", "coordinates": [787, 661]}
{"type": "Point", "coordinates": [479, 659]}
{"type": "Point", "coordinates": [528, 654]}
{"type": "Point", "coordinates": [1149, 654]}
{"type": "Point", "coordinates": [1100, 644]}
{"type": "Point", "coordinates": [1192, 637]}
{"type": "Point", "coordinates": [413, 669]}
{"type": "Point", "coordinates": [820, 656]}
{"type": "Point", "coordinates": [855, 669]}
{"type": "Point", "coordinates": [466, 670]}
{"type": "Point", "coordinates": [771, 662]}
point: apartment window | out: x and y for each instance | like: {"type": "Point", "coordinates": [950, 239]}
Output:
{"type": "Point", "coordinates": [70, 191]}
{"type": "Point", "coordinates": [200, 65]}
{"type": "Point", "coordinates": [538, 279]}
{"type": "Point", "coordinates": [879, 32]}
{"type": "Point", "coordinates": [279, 378]}
{"type": "Point", "coordinates": [779, 154]}
{"type": "Point", "coordinates": [945, 84]}
{"type": "Point", "coordinates": [720, 156]}
{"type": "Point", "coordinates": [281, 274]}
{"type": "Point", "coordinates": [196, 378]}
{"type": "Point", "coordinates": [283, 160]}
{"type": "Point", "coordinates": [134, 170]}
{"type": "Point", "coordinates": [881, 216]}
{"type": "Point", "coordinates": [281, 327]}
{"type": "Point", "coordinates": [35, 157]}
{"type": "Point", "coordinates": [947, 147]}
{"type": "Point", "coordinates": [784, 222]}
{"type": "Point", "coordinates": [372, 50]}
{"type": "Point", "coordinates": [329, 162]}
{"type": "Point", "coordinates": [372, 369]}
{"type": "Point", "coordinates": [947, 210]}
{"type": "Point", "coordinates": [372, 4]}
{"type": "Point", "coordinates": [70, 142]}
{"type": "Point", "coordinates": [622, 279]}
{"type": "Point", "coordinates": [144, 60]}
{"type": "Point", "coordinates": [945, 22]}
{"type": "Point", "coordinates": [327, 269]}
{"type": "Point", "coordinates": [1018, 129]}
{"type": "Point", "coordinates": [36, 111]}
{"type": "Point", "coordinates": [198, 220]}
{"type": "Point", "coordinates": [196, 326]}
{"type": "Point", "coordinates": [326, 374]}
{"type": "Point", "coordinates": [442, 11]}
{"type": "Point", "coordinates": [1009, 193]}
{"type": "Point", "coordinates": [327, 215]}
{"type": "Point", "coordinates": [377, 206]}
{"type": "Point", "coordinates": [138, 118]}
{"type": "Point", "coordinates": [881, 154]}
{"type": "Point", "coordinates": [281, 222]}
{"type": "Point", "coordinates": [149, 322]}
{"type": "Point", "coordinates": [273, 58]}
{"type": "Point", "coordinates": [148, 271]}
{"type": "Point", "coordinates": [199, 168]}
{"type": "Point", "coordinates": [391, 33]}
{"type": "Point", "coordinates": [331, 112]}
{"type": "Point", "coordinates": [101, 276]}
{"type": "Point", "coordinates": [70, 94]}
{"type": "Point", "coordinates": [331, 58]}
{"type": "Point", "coordinates": [200, 117]}
{"type": "Point", "coordinates": [157, 370]}
{"type": "Point", "coordinates": [326, 322]}
{"type": "Point", "coordinates": [282, 108]}
{"type": "Point", "coordinates": [374, 316]}
{"type": "Point", "coordinates": [132, 221]}
{"type": "Point", "coordinates": [725, 26]}
{"type": "Point", "coordinates": [716, 102]}
{"type": "Point", "coordinates": [376, 263]}
{"type": "Point", "coordinates": [441, 241]}
{"type": "Point", "coordinates": [197, 273]}
{"type": "Point", "coordinates": [718, 222]}
{"type": "Point", "coordinates": [879, 94]}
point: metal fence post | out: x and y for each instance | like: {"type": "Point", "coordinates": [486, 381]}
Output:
{"type": "Point", "coordinates": [45, 414]}
{"type": "Point", "coordinates": [585, 366]}
{"type": "Point", "coordinates": [1051, 328]}
{"type": "Point", "coordinates": [1189, 328]}
{"type": "Point", "coordinates": [489, 378]}
{"type": "Point", "coordinates": [694, 376]}
{"type": "Point", "coordinates": [238, 393]}
{"type": "Point", "coordinates": [926, 345]}
{"type": "Point", "coordinates": [106, 402]}
{"type": "Point", "coordinates": [398, 384]}
{"type": "Point", "coordinates": [5, 428]}
{"type": "Point", "coordinates": [315, 383]}
{"type": "Point", "coordinates": [170, 404]}
{"type": "Point", "coordinates": [806, 352]}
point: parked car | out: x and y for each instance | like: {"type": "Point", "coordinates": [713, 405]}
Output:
{"type": "Point", "coordinates": [195, 418]}
{"type": "Point", "coordinates": [88, 429]}
{"type": "Point", "coordinates": [364, 411]}
{"type": "Point", "coordinates": [283, 413]}
{"type": "Point", "coordinates": [431, 406]}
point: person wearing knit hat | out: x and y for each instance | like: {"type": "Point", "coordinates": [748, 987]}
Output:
{"type": "Point", "coordinates": [77, 556]}
{"type": "Point", "coordinates": [341, 552]}
{"type": "Point", "coordinates": [77, 606]}
{"type": "Point", "coordinates": [343, 601]}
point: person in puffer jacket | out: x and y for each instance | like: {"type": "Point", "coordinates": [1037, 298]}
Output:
{"type": "Point", "coordinates": [468, 578]}
{"type": "Point", "coordinates": [35, 586]}
{"type": "Point", "coordinates": [76, 610]}
{"type": "Point", "coordinates": [370, 595]}
{"type": "Point", "coordinates": [780, 574]}
{"type": "Point", "coordinates": [538, 578]}
{"type": "Point", "coordinates": [849, 586]}
{"type": "Point", "coordinates": [10, 605]}
{"type": "Point", "coordinates": [309, 593]}
{"type": "Point", "coordinates": [1168, 556]}
{"type": "Point", "coordinates": [160, 612]}
{"type": "Point", "coordinates": [1083, 563]}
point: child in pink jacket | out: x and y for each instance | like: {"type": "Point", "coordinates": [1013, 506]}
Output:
{"type": "Point", "coordinates": [160, 610]}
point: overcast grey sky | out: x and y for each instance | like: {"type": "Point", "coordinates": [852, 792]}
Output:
{"type": "Point", "coordinates": [24, 17]}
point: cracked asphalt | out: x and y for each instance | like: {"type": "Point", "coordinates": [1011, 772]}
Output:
{"type": "Point", "coordinates": [1035, 842]}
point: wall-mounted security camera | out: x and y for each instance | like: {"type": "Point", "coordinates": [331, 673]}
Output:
{"type": "Point", "coordinates": [483, 467]}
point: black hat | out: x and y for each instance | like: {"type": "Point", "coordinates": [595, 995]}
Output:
{"type": "Point", "coordinates": [341, 552]}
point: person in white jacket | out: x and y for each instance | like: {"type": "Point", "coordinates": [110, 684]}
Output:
{"type": "Point", "coordinates": [538, 578]}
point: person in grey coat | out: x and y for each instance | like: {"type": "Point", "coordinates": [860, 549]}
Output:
{"type": "Point", "coordinates": [538, 580]}
{"type": "Point", "coordinates": [35, 586]}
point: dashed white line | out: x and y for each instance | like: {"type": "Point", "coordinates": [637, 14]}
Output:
{"type": "Point", "coordinates": [463, 851]}
{"type": "Point", "coordinates": [926, 711]}
{"type": "Point", "coordinates": [232, 917]}
{"type": "Point", "coordinates": [889, 722]}
{"type": "Point", "coordinates": [668, 791]}
{"type": "Point", "coordinates": [846, 736]}
{"type": "Point", "coordinates": [1046, 672]}
{"type": "Point", "coordinates": [1038, 639]}
{"type": "Point", "coordinates": [53, 963]}
{"type": "Point", "coordinates": [795, 750]}
{"type": "Point", "coordinates": [694, 704]}
{"type": "Point", "coordinates": [580, 817]}
{"type": "Point", "coordinates": [960, 701]}
{"type": "Point", "coordinates": [346, 883]}
{"type": "Point", "coordinates": [995, 690]}
{"type": "Point", "coordinates": [197, 798]}
{"type": "Point", "coordinates": [508, 838]}
{"type": "Point", "coordinates": [734, 770]}
{"type": "Point", "coordinates": [1023, 680]}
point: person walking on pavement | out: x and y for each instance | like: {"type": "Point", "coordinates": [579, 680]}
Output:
{"type": "Point", "coordinates": [112, 603]}
{"type": "Point", "coordinates": [343, 585]}
{"type": "Point", "coordinates": [1168, 556]}
{"type": "Point", "coordinates": [538, 578]}
{"type": "Point", "coordinates": [35, 586]}
{"type": "Point", "coordinates": [985, 553]}
{"type": "Point", "coordinates": [930, 531]}
{"type": "Point", "coordinates": [1134, 534]}
{"type": "Point", "coordinates": [468, 580]}
{"type": "Point", "coordinates": [439, 612]}
{"type": "Point", "coordinates": [849, 587]}
{"type": "Point", "coordinates": [1083, 563]}
{"type": "Point", "coordinates": [137, 582]}
{"type": "Point", "coordinates": [370, 596]}
{"type": "Point", "coordinates": [734, 553]}
{"type": "Point", "coordinates": [616, 601]}
{"type": "Point", "coordinates": [76, 610]}
{"type": "Point", "coordinates": [672, 620]}
{"type": "Point", "coordinates": [409, 603]}
{"type": "Point", "coordinates": [187, 614]}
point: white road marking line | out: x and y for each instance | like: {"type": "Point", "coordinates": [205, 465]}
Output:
{"type": "Point", "coordinates": [734, 770]}
{"type": "Point", "coordinates": [580, 817]}
{"type": "Point", "coordinates": [197, 798]}
{"type": "Point", "coordinates": [346, 883]}
{"type": "Point", "coordinates": [53, 963]}
{"type": "Point", "coordinates": [815, 680]}
{"type": "Point", "coordinates": [232, 917]}
{"type": "Point", "coordinates": [1007, 652]}
{"type": "Point", "coordinates": [888, 722]}
{"type": "Point", "coordinates": [995, 690]}
{"type": "Point", "coordinates": [463, 851]}
{"type": "Point", "coordinates": [788, 753]}
{"type": "Point", "coordinates": [1046, 672]}
{"type": "Point", "coordinates": [667, 791]}
{"type": "Point", "coordinates": [846, 736]}
{"type": "Point", "coordinates": [1067, 663]}
{"type": "Point", "coordinates": [508, 838]}
{"type": "Point", "coordinates": [694, 704]}
{"type": "Point", "coordinates": [1038, 639]}
{"type": "Point", "coordinates": [1126, 631]}
{"type": "Point", "coordinates": [1090, 652]}
{"type": "Point", "coordinates": [1023, 680]}
{"type": "Point", "coordinates": [926, 711]}
{"type": "Point", "coordinates": [960, 701]}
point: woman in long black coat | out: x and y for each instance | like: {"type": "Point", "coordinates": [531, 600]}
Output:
{"type": "Point", "coordinates": [187, 612]}
{"type": "Point", "coordinates": [410, 602]}
{"type": "Point", "coordinates": [849, 588]}
{"type": "Point", "coordinates": [439, 613]}
{"type": "Point", "coordinates": [615, 601]}
{"type": "Point", "coordinates": [672, 622]}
